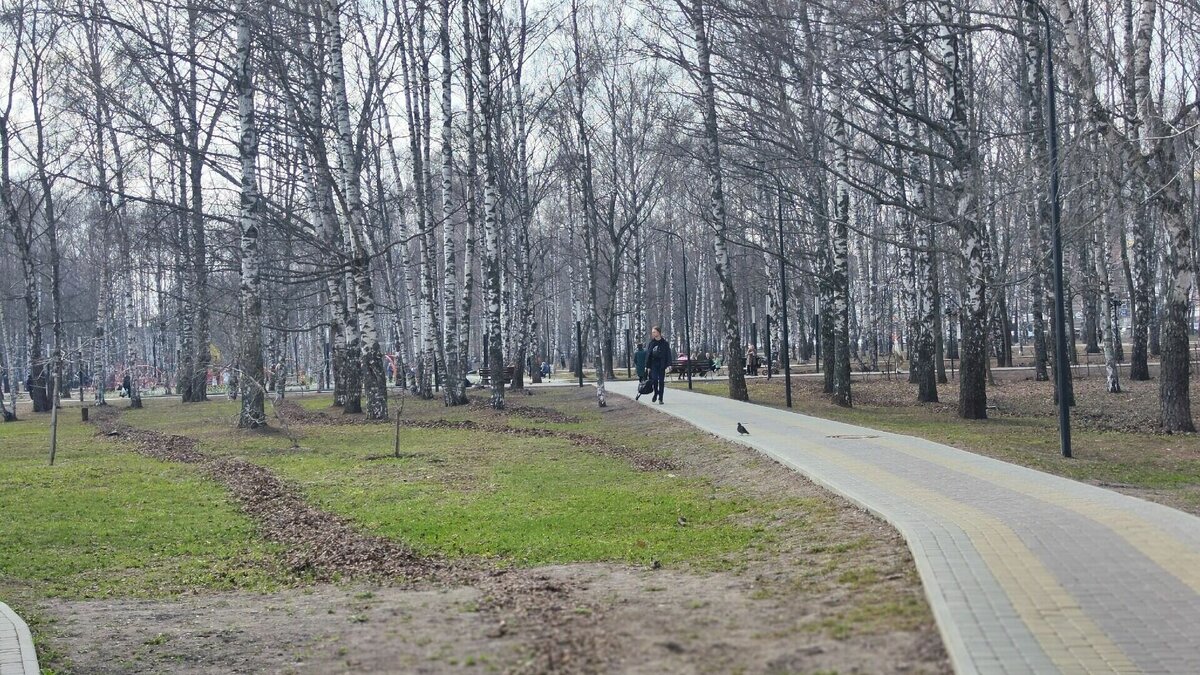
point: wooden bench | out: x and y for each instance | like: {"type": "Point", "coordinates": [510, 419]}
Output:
{"type": "Point", "coordinates": [683, 367]}
{"type": "Point", "coordinates": [485, 376]}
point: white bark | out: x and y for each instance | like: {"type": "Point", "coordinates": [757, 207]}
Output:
{"type": "Point", "coordinates": [250, 363]}
{"type": "Point", "coordinates": [374, 381]}
{"type": "Point", "coordinates": [491, 225]}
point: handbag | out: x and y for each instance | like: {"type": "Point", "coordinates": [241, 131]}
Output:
{"type": "Point", "coordinates": [645, 387]}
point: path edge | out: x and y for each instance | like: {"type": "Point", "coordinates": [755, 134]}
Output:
{"type": "Point", "coordinates": [956, 647]}
{"type": "Point", "coordinates": [24, 640]}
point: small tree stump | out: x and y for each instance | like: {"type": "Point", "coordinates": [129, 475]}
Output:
{"type": "Point", "coordinates": [84, 413]}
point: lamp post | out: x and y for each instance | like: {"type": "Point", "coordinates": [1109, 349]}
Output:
{"type": "Point", "coordinates": [785, 356]}
{"type": "Point", "coordinates": [579, 350]}
{"type": "Point", "coordinates": [687, 321]}
{"type": "Point", "coordinates": [767, 343]}
{"type": "Point", "coordinates": [628, 354]}
{"type": "Point", "coordinates": [1060, 313]}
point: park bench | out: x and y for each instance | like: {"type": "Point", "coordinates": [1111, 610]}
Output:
{"type": "Point", "coordinates": [682, 367]}
{"type": "Point", "coordinates": [485, 376]}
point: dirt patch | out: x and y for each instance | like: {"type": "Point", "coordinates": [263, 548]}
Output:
{"type": "Point", "coordinates": [532, 412]}
{"type": "Point", "coordinates": [653, 622]}
{"type": "Point", "coordinates": [496, 422]}
{"type": "Point", "coordinates": [642, 461]}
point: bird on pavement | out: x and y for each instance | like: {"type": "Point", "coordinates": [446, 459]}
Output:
{"type": "Point", "coordinates": [742, 430]}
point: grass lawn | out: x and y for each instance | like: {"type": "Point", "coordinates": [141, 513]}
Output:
{"type": "Point", "coordinates": [718, 546]}
{"type": "Point", "coordinates": [103, 521]}
{"type": "Point", "coordinates": [1114, 443]}
{"type": "Point", "coordinates": [528, 501]}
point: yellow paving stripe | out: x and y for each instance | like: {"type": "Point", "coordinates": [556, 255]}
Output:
{"type": "Point", "coordinates": [1067, 635]}
{"type": "Point", "coordinates": [1164, 549]}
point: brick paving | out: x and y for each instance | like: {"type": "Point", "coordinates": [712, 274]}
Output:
{"type": "Point", "coordinates": [16, 646]}
{"type": "Point", "coordinates": [1025, 572]}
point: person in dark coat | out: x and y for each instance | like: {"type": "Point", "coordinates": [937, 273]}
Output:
{"type": "Point", "coordinates": [658, 358]}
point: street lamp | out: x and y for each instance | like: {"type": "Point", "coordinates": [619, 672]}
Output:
{"type": "Point", "coordinates": [687, 321]}
{"type": "Point", "coordinates": [1060, 314]}
{"type": "Point", "coordinates": [628, 352]}
{"type": "Point", "coordinates": [785, 355]}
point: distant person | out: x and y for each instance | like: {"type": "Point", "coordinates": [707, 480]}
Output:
{"type": "Point", "coordinates": [639, 361]}
{"type": "Point", "coordinates": [639, 364]}
{"type": "Point", "coordinates": [658, 358]}
{"type": "Point", "coordinates": [545, 370]}
{"type": "Point", "coordinates": [752, 361]}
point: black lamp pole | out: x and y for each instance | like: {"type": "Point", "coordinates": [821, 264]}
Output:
{"type": "Point", "coordinates": [628, 355]}
{"type": "Point", "coordinates": [579, 349]}
{"type": "Point", "coordinates": [687, 321]}
{"type": "Point", "coordinates": [767, 343]}
{"type": "Point", "coordinates": [785, 361]}
{"type": "Point", "coordinates": [1060, 314]}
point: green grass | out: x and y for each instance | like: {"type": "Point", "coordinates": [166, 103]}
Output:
{"type": "Point", "coordinates": [1169, 465]}
{"type": "Point", "coordinates": [528, 501]}
{"type": "Point", "coordinates": [107, 522]}
{"type": "Point", "coordinates": [104, 521]}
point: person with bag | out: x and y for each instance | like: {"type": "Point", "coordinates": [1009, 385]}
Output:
{"type": "Point", "coordinates": [658, 358]}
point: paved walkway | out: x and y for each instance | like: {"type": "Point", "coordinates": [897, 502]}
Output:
{"type": "Point", "coordinates": [1025, 572]}
{"type": "Point", "coordinates": [16, 646]}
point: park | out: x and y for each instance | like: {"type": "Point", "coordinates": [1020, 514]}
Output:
{"type": "Point", "coordinates": [588, 337]}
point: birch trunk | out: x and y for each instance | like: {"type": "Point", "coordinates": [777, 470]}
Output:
{"type": "Point", "coordinates": [1109, 333]}
{"type": "Point", "coordinates": [841, 271]}
{"type": "Point", "coordinates": [712, 146]}
{"type": "Point", "coordinates": [972, 400]}
{"type": "Point", "coordinates": [373, 374]}
{"type": "Point", "coordinates": [466, 302]}
{"type": "Point", "coordinates": [491, 226]}
{"type": "Point", "coordinates": [250, 361]}
{"type": "Point", "coordinates": [924, 286]}
{"type": "Point", "coordinates": [453, 391]}
{"type": "Point", "coordinates": [1039, 213]}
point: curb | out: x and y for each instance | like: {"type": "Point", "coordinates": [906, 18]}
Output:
{"type": "Point", "coordinates": [26, 658]}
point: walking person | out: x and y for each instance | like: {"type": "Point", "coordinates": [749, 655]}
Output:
{"type": "Point", "coordinates": [658, 357]}
{"type": "Point", "coordinates": [639, 362]}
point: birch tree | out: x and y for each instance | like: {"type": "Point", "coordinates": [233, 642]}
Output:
{"type": "Point", "coordinates": [250, 362]}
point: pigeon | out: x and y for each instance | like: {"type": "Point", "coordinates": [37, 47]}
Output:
{"type": "Point", "coordinates": [742, 430]}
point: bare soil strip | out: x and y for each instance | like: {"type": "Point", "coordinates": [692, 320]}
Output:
{"type": "Point", "coordinates": [642, 461]}
{"type": "Point", "coordinates": [563, 635]}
